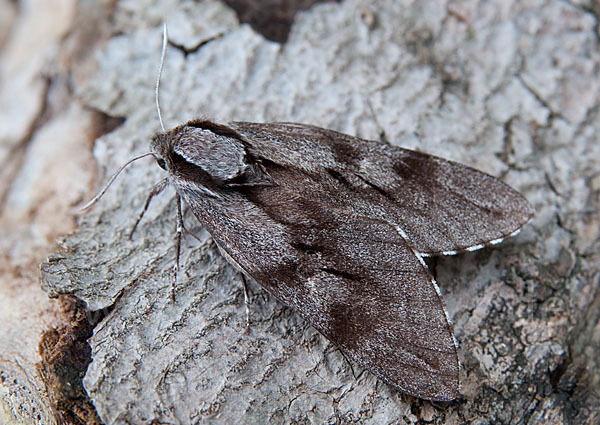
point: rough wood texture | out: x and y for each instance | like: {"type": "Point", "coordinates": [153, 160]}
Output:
{"type": "Point", "coordinates": [45, 136]}
{"type": "Point", "coordinates": [509, 88]}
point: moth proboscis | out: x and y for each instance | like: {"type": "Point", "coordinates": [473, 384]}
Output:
{"type": "Point", "coordinates": [336, 227]}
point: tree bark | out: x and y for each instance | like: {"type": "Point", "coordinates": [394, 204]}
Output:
{"type": "Point", "coordinates": [510, 89]}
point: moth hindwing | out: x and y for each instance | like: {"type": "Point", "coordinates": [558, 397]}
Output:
{"type": "Point", "coordinates": [335, 227]}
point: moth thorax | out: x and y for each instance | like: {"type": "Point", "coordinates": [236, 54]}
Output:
{"type": "Point", "coordinates": [222, 157]}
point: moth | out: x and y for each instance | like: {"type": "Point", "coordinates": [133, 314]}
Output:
{"type": "Point", "coordinates": [336, 227]}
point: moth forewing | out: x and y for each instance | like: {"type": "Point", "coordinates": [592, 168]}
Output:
{"type": "Point", "coordinates": [440, 205]}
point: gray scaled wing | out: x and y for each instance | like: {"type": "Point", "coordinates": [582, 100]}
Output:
{"type": "Point", "coordinates": [441, 206]}
{"type": "Point", "coordinates": [353, 277]}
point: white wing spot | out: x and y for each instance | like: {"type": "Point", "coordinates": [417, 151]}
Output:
{"type": "Point", "coordinates": [418, 254]}
{"type": "Point", "coordinates": [515, 233]}
{"type": "Point", "coordinates": [449, 253]}
{"type": "Point", "coordinates": [439, 292]}
{"type": "Point", "coordinates": [437, 289]}
{"type": "Point", "coordinates": [402, 233]}
{"type": "Point", "coordinates": [496, 241]}
{"type": "Point", "coordinates": [475, 247]}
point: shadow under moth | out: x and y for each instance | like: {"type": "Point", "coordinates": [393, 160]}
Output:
{"type": "Point", "coordinates": [336, 227]}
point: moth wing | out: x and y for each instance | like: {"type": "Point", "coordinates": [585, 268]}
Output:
{"type": "Point", "coordinates": [441, 207]}
{"type": "Point", "coordinates": [354, 278]}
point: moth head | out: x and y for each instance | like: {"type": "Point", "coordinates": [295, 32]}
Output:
{"type": "Point", "coordinates": [160, 147]}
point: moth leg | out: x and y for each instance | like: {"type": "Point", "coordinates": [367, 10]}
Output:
{"type": "Point", "coordinates": [178, 234]}
{"type": "Point", "coordinates": [246, 302]}
{"type": "Point", "coordinates": [349, 364]}
{"type": "Point", "coordinates": [158, 187]}
{"type": "Point", "coordinates": [187, 232]}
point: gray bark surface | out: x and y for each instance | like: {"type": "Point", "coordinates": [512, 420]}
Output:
{"type": "Point", "coordinates": [510, 88]}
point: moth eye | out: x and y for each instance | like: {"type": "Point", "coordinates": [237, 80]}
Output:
{"type": "Point", "coordinates": [161, 163]}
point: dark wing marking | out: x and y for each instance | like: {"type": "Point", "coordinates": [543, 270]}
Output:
{"type": "Point", "coordinates": [442, 207]}
{"type": "Point", "coordinates": [354, 278]}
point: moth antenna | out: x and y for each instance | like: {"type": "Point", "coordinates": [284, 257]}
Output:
{"type": "Point", "coordinates": [160, 68]}
{"type": "Point", "coordinates": [102, 191]}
